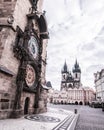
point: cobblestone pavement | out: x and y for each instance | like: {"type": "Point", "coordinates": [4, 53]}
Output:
{"type": "Point", "coordinates": [53, 119]}
{"type": "Point", "coordinates": [89, 118]}
{"type": "Point", "coordinates": [66, 107]}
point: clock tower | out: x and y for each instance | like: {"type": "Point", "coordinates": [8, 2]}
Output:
{"type": "Point", "coordinates": [23, 41]}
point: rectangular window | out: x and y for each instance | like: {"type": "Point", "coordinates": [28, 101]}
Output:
{"type": "Point", "coordinates": [1, 29]}
{"type": "Point", "coordinates": [4, 100]}
{"type": "Point", "coordinates": [4, 103]}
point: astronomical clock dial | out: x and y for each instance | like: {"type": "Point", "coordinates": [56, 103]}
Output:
{"type": "Point", "coordinates": [33, 47]}
{"type": "Point", "coordinates": [30, 76]}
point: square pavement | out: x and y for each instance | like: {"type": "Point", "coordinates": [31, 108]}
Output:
{"type": "Point", "coordinates": [53, 119]}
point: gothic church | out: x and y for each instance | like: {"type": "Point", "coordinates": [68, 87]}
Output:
{"type": "Point", "coordinates": [70, 80]}
{"type": "Point", "coordinates": [72, 91]}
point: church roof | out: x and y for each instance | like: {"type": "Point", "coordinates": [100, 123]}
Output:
{"type": "Point", "coordinates": [76, 67]}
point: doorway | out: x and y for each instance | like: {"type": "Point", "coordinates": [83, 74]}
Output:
{"type": "Point", "coordinates": [80, 103]}
{"type": "Point", "coordinates": [26, 106]}
{"type": "Point", "coordinates": [76, 103]}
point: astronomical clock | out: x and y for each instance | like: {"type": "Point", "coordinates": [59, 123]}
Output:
{"type": "Point", "coordinates": [33, 47]}
{"type": "Point", "coordinates": [31, 76]}
{"type": "Point", "coordinates": [32, 65]}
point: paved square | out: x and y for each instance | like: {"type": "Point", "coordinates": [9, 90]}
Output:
{"type": "Point", "coordinates": [53, 119]}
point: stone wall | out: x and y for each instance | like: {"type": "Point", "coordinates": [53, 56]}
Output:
{"type": "Point", "coordinates": [44, 61]}
{"type": "Point", "coordinates": [21, 10]}
{"type": "Point", "coordinates": [8, 62]}
{"type": "Point", "coordinates": [31, 101]}
{"type": "Point", "coordinates": [7, 56]}
{"type": "Point", "coordinates": [6, 7]}
{"type": "Point", "coordinates": [6, 10]}
{"type": "Point", "coordinates": [43, 101]}
{"type": "Point", "coordinates": [7, 95]}
{"type": "Point", "coordinates": [3, 36]}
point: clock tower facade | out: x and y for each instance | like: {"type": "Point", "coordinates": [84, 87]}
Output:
{"type": "Point", "coordinates": [23, 42]}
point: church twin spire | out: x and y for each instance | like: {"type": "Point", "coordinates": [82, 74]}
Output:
{"type": "Point", "coordinates": [76, 68]}
{"type": "Point", "coordinates": [69, 79]}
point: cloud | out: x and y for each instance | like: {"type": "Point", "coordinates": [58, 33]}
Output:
{"type": "Point", "coordinates": [94, 68]}
{"type": "Point", "coordinates": [100, 54]}
{"type": "Point", "coordinates": [76, 31]}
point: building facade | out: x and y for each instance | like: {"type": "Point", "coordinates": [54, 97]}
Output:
{"type": "Point", "coordinates": [23, 42]}
{"type": "Point", "coordinates": [72, 91]}
{"type": "Point", "coordinates": [50, 92]}
{"type": "Point", "coordinates": [99, 85]}
{"type": "Point", "coordinates": [82, 96]}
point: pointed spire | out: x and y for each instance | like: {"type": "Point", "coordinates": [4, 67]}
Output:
{"type": "Point", "coordinates": [76, 67]}
{"type": "Point", "coordinates": [65, 68]}
{"type": "Point", "coordinates": [76, 64]}
{"type": "Point", "coordinates": [76, 61]}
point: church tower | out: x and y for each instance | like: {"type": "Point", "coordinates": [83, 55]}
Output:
{"type": "Point", "coordinates": [70, 80]}
{"type": "Point", "coordinates": [64, 73]}
{"type": "Point", "coordinates": [77, 75]}
{"type": "Point", "coordinates": [67, 78]}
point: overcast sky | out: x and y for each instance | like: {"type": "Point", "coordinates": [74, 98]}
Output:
{"type": "Point", "coordinates": [76, 29]}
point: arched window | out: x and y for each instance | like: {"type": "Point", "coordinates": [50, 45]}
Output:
{"type": "Point", "coordinates": [70, 85]}
{"type": "Point", "coordinates": [76, 75]}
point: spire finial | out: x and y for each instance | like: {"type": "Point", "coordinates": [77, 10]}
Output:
{"type": "Point", "coordinates": [76, 61]}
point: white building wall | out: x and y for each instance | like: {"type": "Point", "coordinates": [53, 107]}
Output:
{"type": "Point", "coordinates": [74, 95]}
{"type": "Point", "coordinates": [99, 85]}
